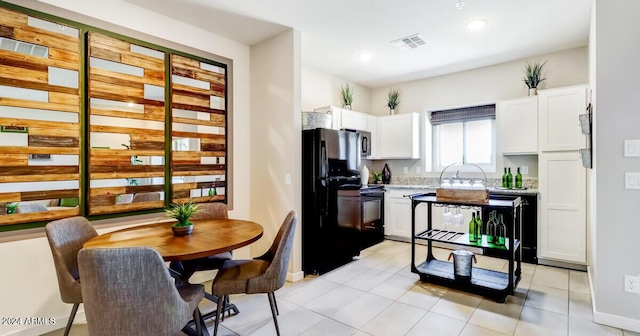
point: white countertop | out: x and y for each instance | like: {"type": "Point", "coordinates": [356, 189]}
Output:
{"type": "Point", "coordinates": [491, 189]}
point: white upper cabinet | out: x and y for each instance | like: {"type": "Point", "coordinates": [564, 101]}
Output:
{"type": "Point", "coordinates": [398, 136]}
{"type": "Point", "coordinates": [354, 120]}
{"type": "Point", "coordinates": [518, 126]}
{"type": "Point", "coordinates": [558, 111]}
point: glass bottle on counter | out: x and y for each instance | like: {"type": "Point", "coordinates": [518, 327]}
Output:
{"type": "Point", "coordinates": [504, 178]}
{"type": "Point", "coordinates": [518, 179]}
{"type": "Point", "coordinates": [501, 231]}
{"type": "Point", "coordinates": [478, 228]}
{"type": "Point", "coordinates": [491, 227]}
{"type": "Point", "coordinates": [472, 229]}
{"type": "Point", "coordinates": [509, 179]}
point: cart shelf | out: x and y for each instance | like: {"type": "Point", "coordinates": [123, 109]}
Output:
{"type": "Point", "coordinates": [461, 238]}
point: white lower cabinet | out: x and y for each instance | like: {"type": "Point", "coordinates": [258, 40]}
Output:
{"type": "Point", "coordinates": [562, 229]}
{"type": "Point", "coordinates": [397, 218]}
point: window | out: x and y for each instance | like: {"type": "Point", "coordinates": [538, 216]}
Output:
{"type": "Point", "coordinates": [464, 135]}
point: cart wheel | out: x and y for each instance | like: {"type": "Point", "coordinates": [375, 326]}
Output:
{"type": "Point", "coordinates": [500, 300]}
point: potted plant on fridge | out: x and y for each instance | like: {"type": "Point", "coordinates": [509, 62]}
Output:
{"type": "Point", "coordinates": [533, 76]}
{"type": "Point", "coordinates": [347, 96]}
{"type": "Point", "coordinates": [393, 100]}
{"type": "Point", "coordinates": [182, 212]}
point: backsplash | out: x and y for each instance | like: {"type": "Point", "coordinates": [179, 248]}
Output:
{"type": "Point", "coordinates": [529, 183]}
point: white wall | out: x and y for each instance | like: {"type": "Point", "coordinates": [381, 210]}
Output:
{"type": "Point", "coordinates": [321, 89]}
{"type": "Point", "coordinates": [32, 290]}
{"type": "Point", "coordinates": [478, 86]}
{"type": "Point", "coordinates": [617, 222]}
{"type": "Point", "coordinates": [276, 128]}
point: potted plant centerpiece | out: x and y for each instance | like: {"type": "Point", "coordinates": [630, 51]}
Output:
{"type": "Point", "coordinates": [393, 100]}
{"type": "Point", "coordinates": [182, 213]}
{"type": "Point", "coordinates": [347, 96]}
{"type": "Point", "coordinates": [533, 76]}
{"type": "Point", "coordinates": [377, 177]}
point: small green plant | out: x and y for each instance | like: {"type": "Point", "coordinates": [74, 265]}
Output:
{"type": "Point", "coordinates": [393, 98]}
{"type": "Point", "coordinates": [182, 212]}
{"type": "Point", "coordinates": [533, 74]}
{"type": "Point", "coordinates": [347, 95]}
{"type": "Point", "coordinates": [11, 208]}
{"type": "Point", "coordinates": [377, 177]}
{"type": "Point", "coordinates": [134, 161]}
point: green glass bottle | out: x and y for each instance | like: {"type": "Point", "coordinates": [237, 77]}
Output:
{"type": "Point", "coordinates": [504, 178]}
{"type": "Point", "coordinates": [519, 179]}
{"type": "Point", "coordinates": [501, 231]}
{"type": "Point", "coordinates": [491, 227]}
{"type": "Point", "coordinates": [509, 179]}
{"type": "Point", "coordinates": [478, 228]}
{"type": "Point", "coordinates": [472, 229]}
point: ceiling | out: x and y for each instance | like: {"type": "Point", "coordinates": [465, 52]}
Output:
{"type": "Point", "coordinates": [335, 32]}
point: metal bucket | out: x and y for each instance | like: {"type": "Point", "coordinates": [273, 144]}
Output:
{"type": "Point", "coordinates": [313, 120]}
{"type": "Point", "coordinates": [462, 264]}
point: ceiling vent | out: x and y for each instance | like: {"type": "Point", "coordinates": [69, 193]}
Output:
{"type": "Point", "coordinates": [409, 42]}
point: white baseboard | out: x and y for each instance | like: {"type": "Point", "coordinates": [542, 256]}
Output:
{"type": "Point", "coordinates": [294, 277]}
{"type": "Point", "coordinates": [608, 319]}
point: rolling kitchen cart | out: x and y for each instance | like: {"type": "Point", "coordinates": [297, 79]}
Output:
{"type": "Point", "coordinates": [490, 283]}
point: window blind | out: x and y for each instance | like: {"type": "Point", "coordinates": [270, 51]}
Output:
{"type": "Point", "coordinates": [471, 113]}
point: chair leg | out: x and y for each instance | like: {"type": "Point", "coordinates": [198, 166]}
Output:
{"type": "Point", "coordinates": [218, 310]}
{"type": "Point", "coordinates": [275, 303]}
{"type": "Point", "coordinates": [74, 310]}
{"type": "Point", "coordinates": [272, 303]}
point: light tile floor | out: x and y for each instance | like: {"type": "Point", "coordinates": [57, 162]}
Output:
{"type": "Point", "coordinates": [378, 295]}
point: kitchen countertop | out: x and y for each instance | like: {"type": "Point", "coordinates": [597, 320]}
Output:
{"type": "Point", "coordinates": [492, 190]}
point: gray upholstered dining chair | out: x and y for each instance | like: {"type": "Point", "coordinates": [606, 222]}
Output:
{"type": "Point", "coordinates": [66, 237]}
{"type": "Point", "coordinates": [258, 275]}
{"type": "Point", "coordinates": [129, 291]}
{"type": "Point", "coordinates": [146, 197]}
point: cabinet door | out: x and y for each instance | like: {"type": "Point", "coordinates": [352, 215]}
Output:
{"type": "Point", "coordinates": [562, 207]}
{"type": "Point", "coordinates": [399, 223]}
{"type": "Point", "coordinates": [518, 126]}
{"type": "Point", "coordinates": [372, 127]}
{"type": "Point", "coordinates": [399, 136]}
{"type": "Point", "coordinates": [559, 128]}
{"type": "Point", "coordinates": [354, 120]}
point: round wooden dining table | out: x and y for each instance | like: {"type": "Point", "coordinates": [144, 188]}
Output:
{"type": "Point", "coordinates": [209, 237]}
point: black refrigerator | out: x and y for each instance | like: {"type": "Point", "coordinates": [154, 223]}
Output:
{"type": "Point", "coordinates": [330, 165]}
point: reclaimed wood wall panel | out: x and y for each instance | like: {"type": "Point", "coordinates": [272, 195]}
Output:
{"type": "Point", "coordinates": [127, 164]}
{"type": "Point", "coordinates": [39, 137]}
{"type": "Point", "coordinates": [201, 171]}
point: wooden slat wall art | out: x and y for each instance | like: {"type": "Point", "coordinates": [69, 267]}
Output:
{"type": "Point", "coordinates": [126, 125]}
{"type": "Point", "coordinates": [198, 160]}
{"type": "Point", "coordinates": [39, 120]}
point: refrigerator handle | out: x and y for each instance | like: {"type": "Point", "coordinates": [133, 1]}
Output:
{"type": "Point", "coordinates": [323, 159]}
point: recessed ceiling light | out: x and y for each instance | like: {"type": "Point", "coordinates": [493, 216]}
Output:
{"type": "Point", "coordinates": [476, 25]}
{"type": "Point", "coordinates": [365, 56]}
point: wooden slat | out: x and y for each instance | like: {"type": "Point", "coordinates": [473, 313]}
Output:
{"type": "Point", "coordinates": [181, 194]}
{"type": "Point", "coordinates": [38, 105]}
{"type": "Point", "coordinates": [123, 130]}
{"type": "Point", "coordinates": [102, 200]}
{"type": "Point", "coordinates": [198, 173]}
{"type": "Point", "coordinates": [38, 170]}
{"type": "Point", "coordinates": [127, 115]}
{"type": "Point", "coordinates": [123, 98]}
{"type": "Point", "coordinates": [100, 74]}
{"type": "Point", "coordinates": [100, 210]}
{"type": "Point", "coordinates": [113, 46]}
{"type": "Point", "coordinates": [24, 75]}
{"type": "Point", "coordinates": [197, 135]}
{"type": "Point", "coordinates": [97, 39]}
{"type": "Point", "coordinates": [38, 150]}
{"type": "Point", "coordinates": [63, 57]}
{"type": "Point", "coordinates": [189, 154]}
{"type": "Point", "coordinates": [192, 100]}
{"type": "Point", "coordinates": [10, 17]}
{"type": "Point", "coordinates": [202, 167]}
{"type": "Point", "coordinates": [143, 61]}
{"type": "Point", "coordinates": [10, 197]}
{"type": "Point", "coordinates": [196, 108]}
{"type": "Point", "coordinates": [13, 159]}
{"type": "Point", "coordinates": [44, 86]}
{"type": "Point", "coordinates": [146, 145]}
{"type": "Point", "coordinates": [154, 76]}
{"type": "Point", "coordinates": [109, 160]}
{"type": "Point", "coordinates": [218, 120]}
{"type": "Point", "coordinates": [190, 89]}
{"type": "Point", "coordinates": [186, 67]}
{"type": "Point", "coordinates": [39, 124]}
{"type": "Point", "coordinates": [186, 161]}
{"type": "Point", "coordinates": [154, 111]}
{"type": "Point", "coordinates": [140, 189]}
{"type": "Point", "coordinates": [107, 191]}
{"type": "Point", "coordinates": [117, 175]}
{"type": "Point", "coordinates": [6, 31]}
{"type": "Point", "coordinates": [113, 89]}
{"type": "Point", "coordinates": [39, 216]}
{"type": "Point", "coordinates": [39, 178]}
{"type": "Point", "coordinates": [109, 55]}
{"type": "Point", "coordinates": [49, 194]}
{"type": "Point", "coordinates": [113, 80]}
{"type": "Point", "coordinates": [124, 152]}
{"type": "Point", "coordinates": [202, 199]}
{"type": "Point", "coordinates": [67, 98]}
{"type": "Point", "coordinates": [214, 184]}
{"type": "Point", "coordinates": [212, 147]}
{"type": "Point", "coordinates": [146, 137]}
{"type": "Point", "coordinates": [220, 140]}
{"type": "Point", "coordinates": [45, 38]}
{"type": "Point", "coordinates": [53, 132]}
{"type": "Point", "coordinates": [126, 169]}
{"type": "Point", "coordinates": [53, 141]}
{"type": "Point", "coordinates": [195, 122]}
{"type": "Point", "coordinates": [29, 62]}
{"type": "Point", "coordinates": [184, 186]}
